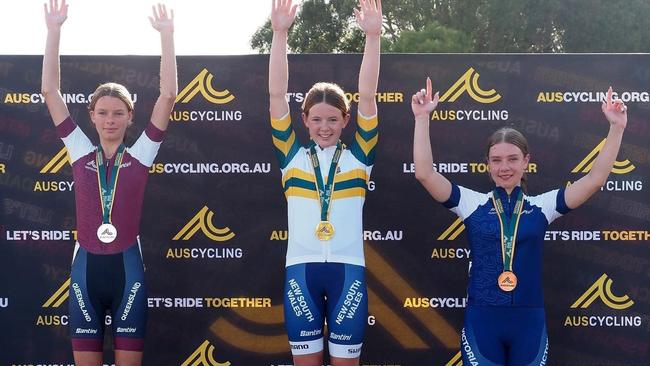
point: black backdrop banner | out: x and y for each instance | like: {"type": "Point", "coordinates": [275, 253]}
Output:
{"type": "Point", "coordinates": [214, 223]}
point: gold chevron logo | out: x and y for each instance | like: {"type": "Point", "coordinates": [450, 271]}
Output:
{"type": "Point", "coordinates": [203, 221]}
{"type": "Point", "coordinates": [57, 162]}
{"type": "Point", "coordinates": [202, 83]}
{"type": "Point", "coordinates": [204, 356]}
{"type": "Point", "coordinates": [453, 230]}
{"type": "Point", "coordinates": [59, 296]}
{"type": "Point", "coordinates": [456, 360]}
{"type": "Point", "coordinates": [602, 289]}
{"type": "Point", "coordinates": [396, 325]}
{"type": "Point", "coordinates": [620, 167]}
{"type": "Point", "coordinates": [469, 83]}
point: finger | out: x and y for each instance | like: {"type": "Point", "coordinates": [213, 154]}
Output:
{"type": "Point", "coordinates": [56, 5]}
{"type": "Point", "coordinates": [609, 97]}
{"type": "Point", "coordinates": [429, 87]}
{"type": "Point", "coordinates": [172, 11]}
{"type": "Point", "coordinates": [436, 98]}
{"type": "Point", "coordinates": [379, 6]}
{"type": "Point", "coordinates": [294, 8]}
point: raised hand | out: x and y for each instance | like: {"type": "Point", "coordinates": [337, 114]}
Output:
{"type": "Point", "coordinates": [369, 16]}
{"type": "Point", "coordinates": [55, 15]}
{"type": "Point", "coordinates": [161, 21]}
{"type": "Point", "coordinates": [423, 102]}
{"type": "Point", "coordinates": [615, 111]}
{"type": "Point", "coordinates": [283, 13]}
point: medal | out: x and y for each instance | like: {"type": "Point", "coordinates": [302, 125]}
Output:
{"type": "Point", "coordinates": [324, 230]}
{"type": "Point", "coordinates": [507, 281]}
{"type": "Point", "coordinates": [106, 233]}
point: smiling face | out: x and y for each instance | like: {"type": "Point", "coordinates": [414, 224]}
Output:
{"type": "Point", "coordinates": [325, 124]}
{"type": "Point", "coordinates": [325, 112]}
{"type": "Point", "coordinates": [507, 165]}
{"type": "Point", "coordinates": [111, 117]}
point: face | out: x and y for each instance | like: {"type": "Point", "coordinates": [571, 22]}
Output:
{"type": "Point", "coordinates": [507, 165]}
{"type": "Point", "coordinates": [325, 124]}
{"type": "Point", "coordinates": [111, 117]}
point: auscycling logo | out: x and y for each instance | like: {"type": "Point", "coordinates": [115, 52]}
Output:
{"type": "Point", "coordinates": [56, 163]}
{"type": "Point", "coordinates": [54, 166]}
{"type": "Point", "coordinates": [203, 221]}
{"type": "Point", "coordinates": [457, 360]}
{"type": "Point", "coordinates": [468, 84]}
{"type": "Point", "coordinates": [203, 356]}
{"type": "Point", "coordinates": [203, 84]}
{"type": "Point", "coordinates": [450, 234]}
{"type": "Point", "coordinates": [59, 296]}
{"type": "Point", "coordinates": [620, 168]}
{"type": "Point", "coordinates": [601, 290]}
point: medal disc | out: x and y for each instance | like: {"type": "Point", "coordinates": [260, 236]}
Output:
{"type": "Point", "coordinates": [324, 230]}
{"type": "Point", "coordinates": [507, 281]}
{"type": "Point", "coordinates": [106, 233]}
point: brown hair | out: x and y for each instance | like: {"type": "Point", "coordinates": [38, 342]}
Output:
{"type": "Point", "coordinates": [511, 136]}
{"type": "Point", "coordinates": [112, 90]}
{"type": "Point", "coordinates": [328, 93]}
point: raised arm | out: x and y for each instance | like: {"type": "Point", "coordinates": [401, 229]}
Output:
{"type": "Point", "coordinates": [55, 16]}
{"type": "Point", "coordinates": [283, 14]}
{"type": "Point", "coordinates": [579, 192]}
{"type": "Point", "coordinates": [422, 104]}
{"type": "Point", "coordinates": [369, 18]}
{"type": "Point", "coordinates": [164, 23]}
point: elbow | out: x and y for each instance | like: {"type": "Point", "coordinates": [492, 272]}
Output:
{"type": "Point", "coordinates": [47, 90]}
{"type": "Point", "coordinates": [421, 176]}
{"type": "Point", "coordinates": [168, 95]}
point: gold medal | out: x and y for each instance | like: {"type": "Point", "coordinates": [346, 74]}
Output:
{"type": "Point", "coordinates": [507, 281]}
{"type": "Point", "coordinates": [324, 230]}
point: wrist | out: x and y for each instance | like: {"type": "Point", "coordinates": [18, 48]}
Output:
{"type": "Point", "coordinates": [422, 118]}
{"type": "Point", "coordinates": [281, 32]}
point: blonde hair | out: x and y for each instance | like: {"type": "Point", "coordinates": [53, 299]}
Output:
{"type": "Point", "coordinates": [112, 90]}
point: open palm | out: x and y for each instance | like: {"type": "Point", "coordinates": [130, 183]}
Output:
{"type": "Point", "coordinates": [55, 15]}
{"type": "Point", "coordinates": [369, 16]}
{"type": "Point", "coordinates": [161, 20]}
{"type": "Point", "coordinates": [283, 14]}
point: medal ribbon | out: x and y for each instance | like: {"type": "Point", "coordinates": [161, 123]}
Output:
{"type": "Point", "coordinates": [325, 190]}
{"type": "Point", "coordinates": [107, 189]}
{"type": "Point", "coordinates": [509, 228]}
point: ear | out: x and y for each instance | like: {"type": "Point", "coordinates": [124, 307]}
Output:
{"type": "Point", "coordinates": [346, 119]}
{"type": "Point", "coordinates": [91, 113]}
{"type": "Point", "coordinates": [305, 119]}
{"type": "Point", "coordinates": [526, 160]}
{"type": "Point", "coordinates": [130, 119]}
